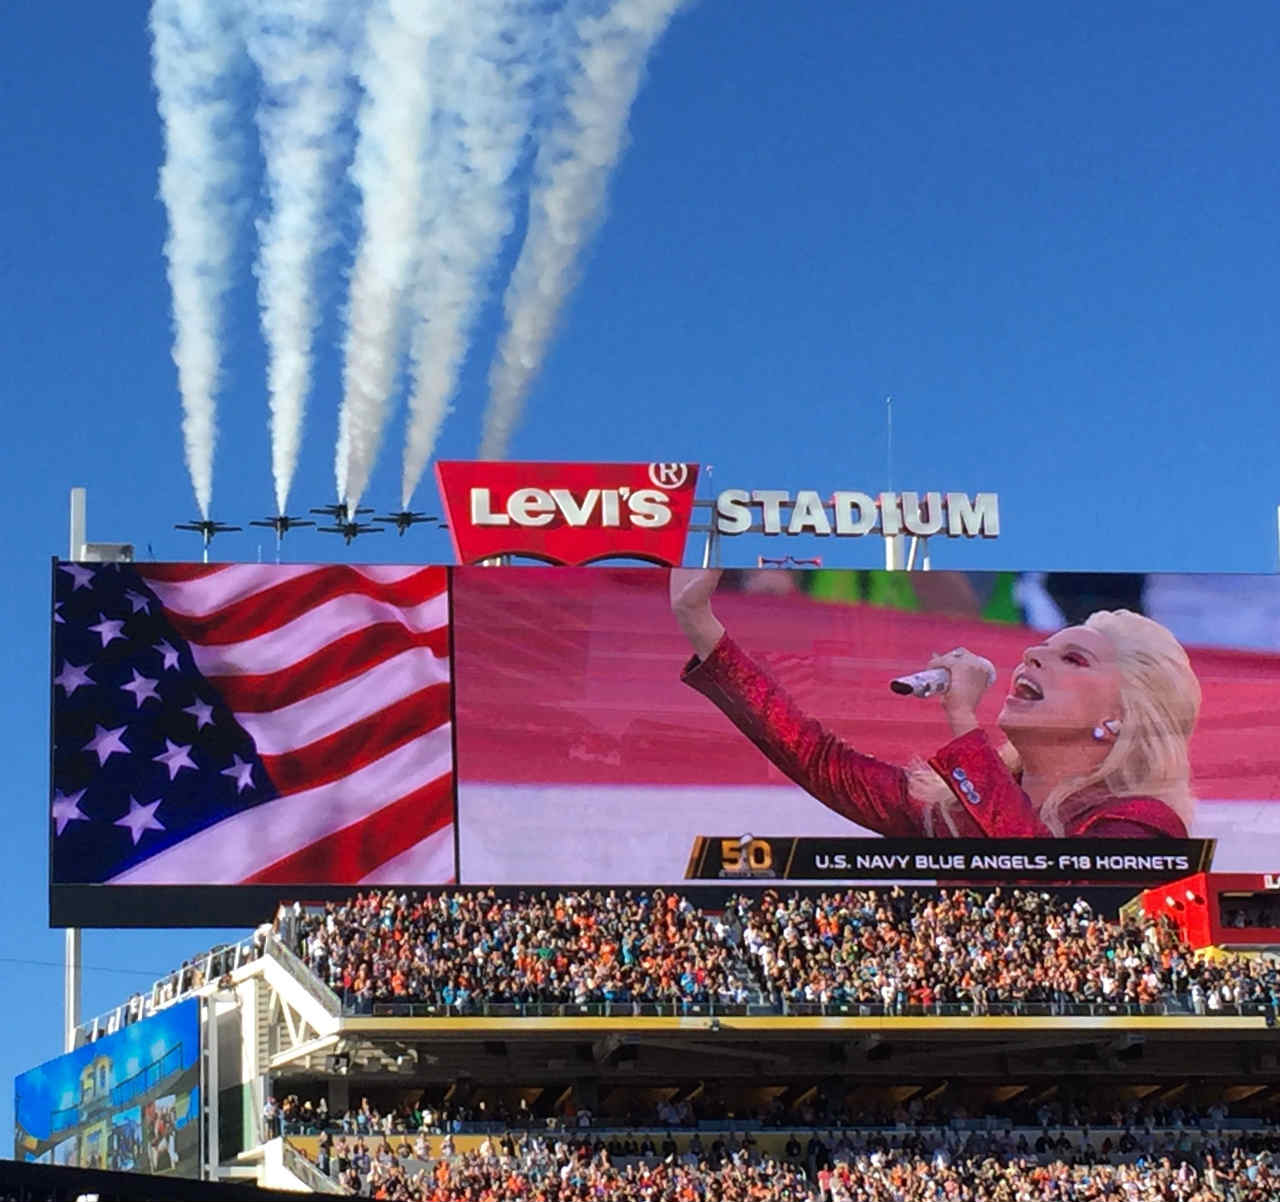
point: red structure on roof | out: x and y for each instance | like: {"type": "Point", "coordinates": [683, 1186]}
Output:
{"type": "Point", "coordinates": [1221, 909]}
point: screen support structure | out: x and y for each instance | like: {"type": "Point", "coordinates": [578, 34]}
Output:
{"type": "Point", "coordinates": [72, 958]}
{"type": "Point", "coordinates": [209, 1154]}
{"type": "Point", "coordinates": [711, 552]}
{"type": "Point", "coordinates": [893, 552]}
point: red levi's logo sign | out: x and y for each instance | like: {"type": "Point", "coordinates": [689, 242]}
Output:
{"type": "Point", "coordinates": [568, 513]}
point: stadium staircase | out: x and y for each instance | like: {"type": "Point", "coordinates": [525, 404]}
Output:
{"type": "Point", "coordinates": [296, 1172]}
{"type": "Point", "coordinates": [295, 1011]}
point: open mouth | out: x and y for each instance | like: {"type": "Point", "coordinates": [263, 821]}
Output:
{"type": "Point", "coordinates": [1026, 689]}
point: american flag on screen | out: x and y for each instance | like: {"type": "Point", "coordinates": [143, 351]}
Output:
{"type": "Point", "coordinates": [251, 723]}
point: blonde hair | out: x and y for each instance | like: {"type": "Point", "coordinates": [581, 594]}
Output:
{"type": "Point", "coordinates": [1159, 704]}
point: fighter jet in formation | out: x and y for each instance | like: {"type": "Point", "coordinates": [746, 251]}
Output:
{"type": "Point", "coordinates": [206, 529]}
{"type": "Point", "coordinates": [282, 523]}
{"type": "Point", "coordinates": [349, 530]}
{"type": "Point", "coordinates": [404, 519]}
{"type": "Point", "coordinates": [341, 512]}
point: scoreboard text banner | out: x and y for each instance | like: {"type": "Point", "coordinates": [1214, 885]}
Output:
{"type": "Point", "coordinates": [996, 861]}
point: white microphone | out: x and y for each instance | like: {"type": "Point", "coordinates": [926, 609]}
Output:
{"type": "Point", "coordinates": [933, 681]}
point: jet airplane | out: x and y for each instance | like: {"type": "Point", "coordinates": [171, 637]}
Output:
{"type": "Point", "coordinates": [349, 530]}
{"type": "Point", "coordinates": [281, 523]}
{"type": "Point", "coordinates": [341, 513]}
{"type": "Point", "coordinates": [404, 519]}
{"type": "Point", "coordinates": [206, 528]}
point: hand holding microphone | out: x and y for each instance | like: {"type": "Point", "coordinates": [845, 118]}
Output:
{"type": "Point", "coordinates": [958, 672]}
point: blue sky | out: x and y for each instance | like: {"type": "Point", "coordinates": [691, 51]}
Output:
{"type": "Point", "coordinates": [1049, 232]}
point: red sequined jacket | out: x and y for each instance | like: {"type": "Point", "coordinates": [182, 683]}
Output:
{"type": "Point", "coordinates": [876, 795]}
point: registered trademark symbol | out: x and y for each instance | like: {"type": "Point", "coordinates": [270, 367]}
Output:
{"type": "Point", "coordinates": [668, 475]}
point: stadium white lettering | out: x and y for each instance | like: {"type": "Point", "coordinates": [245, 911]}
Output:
{"type": "Point", "coordinates": [953, 514]}
{"type": "Point", "coordinates": [770, 501]}
{"type": "Point", "coordinates": [848, 503]}
{"type": "Point", "coordinates": [808, 514]}
{"type": "Point", "coordinates": [981, 517]}
{"type": "Point", "coordinates": [733, 511]}
{"type": "Point", "coordinates": [922, 518]}
{"type": "Point", "coordinates": [645, 507]}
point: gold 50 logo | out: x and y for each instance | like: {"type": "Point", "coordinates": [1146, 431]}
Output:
{"type": "Point", "coordinates": [746, 855]}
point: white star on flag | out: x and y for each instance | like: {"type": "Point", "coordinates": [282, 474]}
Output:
{"type": "Point", "coordinates": [174, 758]}
{"type": "Point", "coordinates": [105, 743]}
{"type": "Point", "coordinates": [242, 772]}
{"type": "Point", "coordinates": [72, 677]}
{"type": "Point", "coordinates": [169, 653]}
{"type": "Point", "coordinates": [108, 628]}
{"type": "Point", "coordinates": [138, 601]}
{"type": "Point", "coordinates": [67, 809]}
{"type": "Point", "coordinates": [202, 712]}
{"type": "Point", "coordinates": [57, 612]}
{"type": "Point", "coordinates": [140, 818]}
{"type": "Point", "coordinates": [81, 576]}
{"type": "Point", "coordinates": [141, 687]}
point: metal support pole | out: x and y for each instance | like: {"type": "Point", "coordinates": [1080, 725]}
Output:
{"type": "Point", "coordinates": [72, 952]}
{"type": "Point", "coordinates": [212, 1157]}
{"type": "Point", "coordinates": [893, 557]}
{"type": "Point", "coordinates": [711, 552]}
{"type": "Point", "coordinates": [71, 986]}
{"type": "Point", "coordinates": [77, 541]}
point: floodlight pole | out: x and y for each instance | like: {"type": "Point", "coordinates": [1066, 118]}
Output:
{"type": "Point", "coordinates": [72, 962]}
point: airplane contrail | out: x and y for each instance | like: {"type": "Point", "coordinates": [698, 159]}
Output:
{"type": "Point", "coordinates": [195, 47]}
{"type": "Point", "coordinates": [567, 201]}
{"type": "Point", "coordinates": [297, 48]}
{"type": "Point", "coordinates": [488, 114]}
{"type": "Point", "coordinates": [393, 131]}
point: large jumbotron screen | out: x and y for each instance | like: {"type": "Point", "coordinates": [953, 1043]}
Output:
{"type": "Point", "coordinates": [250, 729]}
{"type": "Point", "coordinates": [129, 1101]}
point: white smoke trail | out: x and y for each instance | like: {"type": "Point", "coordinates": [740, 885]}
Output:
{"type": "Point", "coordinates": [567, 202]}
{"type": "Point", "coordinates": [195, 47]}
{"type": "Point", "coordinates": [487, 78]}
{"type": "Point", "coordinates": [304, 70]}
{"type": "Point", "coordinates": [393, 126]}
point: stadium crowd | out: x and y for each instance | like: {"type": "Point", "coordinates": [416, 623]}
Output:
{"type": "Point", "coordinates": [977, 1168]}
{"type": "Point", "coordinates": [826, 1106]}
{"type": "Point", "coordinates": [457, 949]}
{"type": "Point", "coordinates": [892, 950]}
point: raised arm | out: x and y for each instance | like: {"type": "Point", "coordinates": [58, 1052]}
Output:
{"type": "Point", "coordinates": [863, 789]}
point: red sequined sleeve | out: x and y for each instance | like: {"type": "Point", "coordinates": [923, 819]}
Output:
{"type": "Point", "coordinates": [865, 790]}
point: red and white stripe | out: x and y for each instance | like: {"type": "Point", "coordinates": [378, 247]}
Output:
{"type": "Point", "coordinates": [340, 674]}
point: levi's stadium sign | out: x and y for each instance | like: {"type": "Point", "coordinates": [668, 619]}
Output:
{"type": "Point", "coordinates": [578, 513]}
{"type": "Point", "coordinates": [569, 513]}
